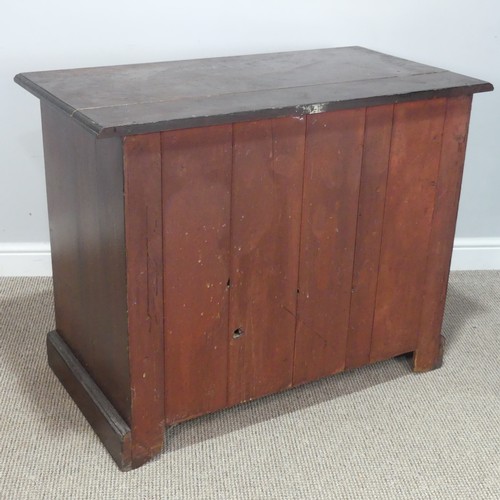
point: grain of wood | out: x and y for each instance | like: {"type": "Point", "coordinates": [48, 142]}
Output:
{"type": "Point", "coordinates": [86, 213]}
{"type": "Point", "coordinates": [196, 178]}
{"type": "Point", "coordinates": [427, 354]}
{"type": "Point", "coordinates": [373, 183]}
{"type": "Point", "coordinates": [143, 235]}
{"type": "Point", "coordinates": [265, 230]}
{"type": "Point", "coordinates": [334, 143]}
{"type": "Point", "coordinates": [411, 187]}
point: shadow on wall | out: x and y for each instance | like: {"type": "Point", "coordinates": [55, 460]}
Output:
{"type": "Point", "coordinates": [26, 315]}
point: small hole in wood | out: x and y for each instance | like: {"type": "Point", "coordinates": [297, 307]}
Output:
{"type": "Point", "coordinates": [238, 333]}
{"type": "Point", "coordinates": [229, 282]}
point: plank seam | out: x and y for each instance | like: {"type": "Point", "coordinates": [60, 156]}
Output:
{"type": "Point", "coordinates": [370, 359]}
{"type": "Point", "coordinates": [428, 258]}
{"type": "Point", "coordinates": [346, 351]}
{"type": "Point", "coordinates": [230, 258]}
{"type": "Point", "coordinates": [429, 234]}
{"type": "Point", "coordinates": [300, 247]}
{"type": "Point", "coordinates": [162, 284]}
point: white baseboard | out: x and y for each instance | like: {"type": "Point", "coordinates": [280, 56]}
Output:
{"type": "Point", "coordinates": [25, 259]}
{"type": "Point", "coordinates": [475, 254]}
{"type": "Point", "coordinates": [33, 259]}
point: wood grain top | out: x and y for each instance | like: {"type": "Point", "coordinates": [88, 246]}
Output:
{"type": "Point", "coordinates": [142, 98]}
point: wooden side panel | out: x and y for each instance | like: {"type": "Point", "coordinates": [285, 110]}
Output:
{"type": "Point", "coordinates": [86, 214]}
{"type": "Point", "coordinates": [411, 187]}
{"type": "Point", "coordinates": [196, 178]}
{"type": "Point", "coordinates": [334, 143]}
{"type": "Point", "coordinates": [427, 355]}
{"type": "Point", "coordinates": [265, 232]}
{"type": "Point", "coordinates": [143, 233]}
{"type": "Point", "coordinates": [374, 171]}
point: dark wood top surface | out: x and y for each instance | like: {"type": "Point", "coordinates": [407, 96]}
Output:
{"type": "Point", "coordinates": [141, 98]}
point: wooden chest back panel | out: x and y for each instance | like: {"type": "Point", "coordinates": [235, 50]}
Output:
{"type": "Point", "coordinates": [295, 248]}
{"type": "Point", "coordinates": [228, 228]}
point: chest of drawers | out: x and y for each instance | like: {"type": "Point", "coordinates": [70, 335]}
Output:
{"type": "Point", "coordinates": [227, 228]}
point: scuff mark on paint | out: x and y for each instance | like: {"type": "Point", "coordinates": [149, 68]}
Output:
{"type": "Point", "coordinates": [311, 109]}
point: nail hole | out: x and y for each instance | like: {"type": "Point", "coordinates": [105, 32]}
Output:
{"type": "Point", "coordinates": [238, 333]}
{"type": "Point", "coordinates": [229, 282]}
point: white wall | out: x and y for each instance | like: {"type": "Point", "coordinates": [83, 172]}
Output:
{"type": "Point", "coordinates": [51, 34]}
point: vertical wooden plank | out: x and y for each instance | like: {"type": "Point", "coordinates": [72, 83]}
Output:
{"type": "Point", "coordinates": [428, 353]}
{"type": "Point", "coordinates": [143, 236]}
{"type": "Point", "coordinates": [334, 143]}
{"type": "Point", "coordinates": [375, 165]}
{"type": "Point", "coordinates": [265, 229]}
{"type": "Point", "coordinates": [86, 213]}
{"type": "Point", "coordinates": [411, 185]}
{"type": "Point", "coordinates": [196, 170]}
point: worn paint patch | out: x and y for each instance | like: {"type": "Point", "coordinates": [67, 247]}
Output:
{"type": "Point", "coordinates": [311, 109]}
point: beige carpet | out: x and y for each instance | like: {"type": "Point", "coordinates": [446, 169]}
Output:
{"type": "Point", "coordinates": [380, 432]}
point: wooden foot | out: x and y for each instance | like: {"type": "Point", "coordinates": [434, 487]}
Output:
{"type": "Point", "coordinates": [430, 358]}
{"type": "Point", "coordinates": [112, 430]}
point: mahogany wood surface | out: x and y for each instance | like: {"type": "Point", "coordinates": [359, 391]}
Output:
{"type": "Point", "coordinates": [259, 256]}
{"type": "Point", "coordinates": [87, 238]}
{"type": "Point", "coordinates": [266, 203]}
{"type": "Point", "coordinates": [225, 229]}
{"type": "Point", "coordinates": [332, 169]}
{"type": "Point", "coordinates": [411, 184]}
{"type": "Point", "coordinates": [428, 351]}
{"type": "Point", "coordinates": [110, 427]}
{"type": "Point", "coordinates": [142, 98]}
{"type": "Point", "coordinates": [144, 244]}
{"type": "Point", "coordinates": [374, 169]}
{"type": "Point", "coordinates": [196, 179]}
